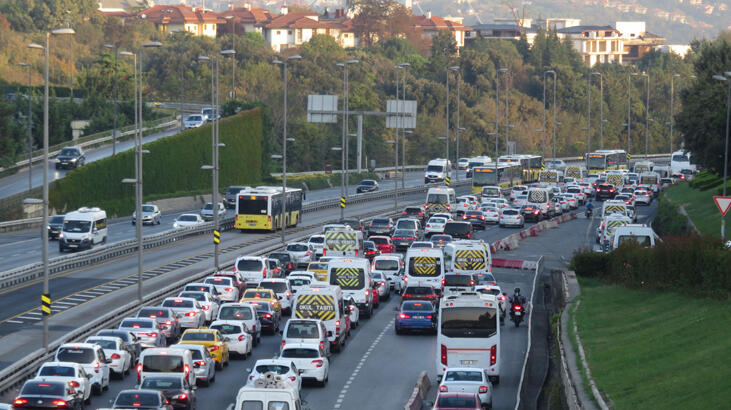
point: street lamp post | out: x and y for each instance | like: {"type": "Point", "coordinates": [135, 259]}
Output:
{"type": "Point", "coordinates": [543, 143]}
{"type": "Point", "coordinates": [446, 136]}
{"type": "Point", "coordinates": [399, 122]}
{"type": "Point", "coordinates": [727, 79]}
{"type": "Point", "coordinates": [601, 108]}
{"type": "Point", "coordinates": [283, 63]}
{"type": "Point", "coordinates": [344, 146]}
{"type": "Point", "coordinates": [647, 114]}
{"type": "Point", "coordinates": [507, 110]}
{"type": "Point", "coordinates": [405, 66]}
{"type": "Point", "coordinates": [44, 223]}
{"type": "Point", "coordinates": [233, 60]}
{"type": "Point", "coordinates": [629, 110]}
{"type": "Point", "coordinates": [672, 108]}
{"type": "Point", "coordinates": [114, 120]}
{"type": "Point", "coordinates": [456, 70]}
{"type": "Point", "coordinates": [30, 124]}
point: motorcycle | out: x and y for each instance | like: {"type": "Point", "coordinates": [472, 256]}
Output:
{"type": "Point", "coordinates": [517, 311]}
{"type": "Point", "coordinates": [588, 213]}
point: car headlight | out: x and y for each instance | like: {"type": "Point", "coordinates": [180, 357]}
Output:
{"type": "Point", "coordinates": [49, 227]}
{"type": "Point", "coordinates": [72, 160]}
{"type": "Point", "coordinates": [175, 225]}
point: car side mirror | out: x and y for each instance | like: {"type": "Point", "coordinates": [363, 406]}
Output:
{"type": "Point", "coordinates": [248, 370]}
{"type": "Point", "coordinates": [300, 371]}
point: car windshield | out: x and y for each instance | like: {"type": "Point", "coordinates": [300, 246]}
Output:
{"type": "Point", "coordinates": [469, 322]}
{"type": "Point", "coordinates": [510, 212]}
{"type": "Point", "coordinates": [489, 291]}
{"type": "Point", "coordinates": [317, 239]}
{"type": "Point", "coordinates": [76, 226]}
{"type": "Point", "coordinates": [262, 307]}
{"type": "Point", "coordinates": [278, 287]}
{"type": "Point", "coordinates": [463, 376]}
{"type": "Point", "coordinates": [124, 335]}
{"type": "Point", "coordinates": [300, 353]}
{"type": "Point", "coordinates": [105, 344]}
{"type": "Point", "coordinates": [177, 303]}
{"type": "Point", "coordinates": [43, 389]}
{"type": "Point", "coordinates": [63, 371]}
{"type": "Point", "coordinates": [148, 208]}
{"type": "Point", "coordinates": [379, 241]}
{"type": "Point", "coordinates": [143, 324]}
{"type": "Point", "coordinates": [138, 399]}
{"type": "Point", "coordinates": [187, 218]}
{"type": "Point", "coordinates": [198, 337]}
{"type": "Point", "coordinates": [218, 281]}
{"type": "Point", "coordinates": [257, 294]}
{"type": "Point", "coordinates": [379, 221]}
{"type": "Point", "coordinates": [69, 152]}
{"type": "Point", "coordinates": [298, 282]}
{"type": "Point", "coordinates": [457, 402]}
{"type": "Point", "coordinates": [437, 199]}
{"type": "Point", "coordinates": [473, 213]}
{"type": "Point", "coordinates": [233, 190]}
{"type": "Point", "coordinates": [302, 330]}
{"type": "Point", "coordinates": [435, 168]}
{"type": "Point", "coordinates": [153, 312]}
{"type": "Point", "coordinates": [403, 232]}
{"type": "Point", "coordinates": [417, 306]}
{"type": "Point", "coordinates": [228, 329]}
{"type": "Point", "coordinates": [437, 220]}
{"type": "Point", "coordinates": [208, 206]}
{"type": "Point", "coordinates": [275, 368]}
{"type": "Point", "coordinates": [459, 280]}
{"type": "Point", "coordinates": [386, 264]}
{"type": "Point", "coordinates": [249, 265]}
{"type": "Point", "coordinates": [457, 227]}
{"type": "Point", "coordinates": [162, 383]}
{"type": "Point", "coordinates": [419, 290]}
{"type": "Point", "coordinates": [406, 224]}
{"type": "Point", "coordinates": [297, 247]}
{"type": "Point", "coordinates": [235, 313]}
{"type": "Point", "coordinates": [195, 118]}
{"type": "Point", "coordinates": [199, 296]}
{"type": "Point", "coordinates": [57, 219]}
{"type": "Point", "coordinates": [75, 354]}
{"type": "Point", "coordinates": [317, 266]}
{"type": "Point", "coordinates": [367, 182]}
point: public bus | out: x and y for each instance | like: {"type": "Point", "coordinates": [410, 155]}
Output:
{"type": "Point", "coordinates": [680, 161]}
{"type": "Point", "coordinates": [260, 208]}
{"type": "Point", "coordinates": [468, 334]}
{"type": "Point", "coordinates": [530, 165]}
{"type": "Point", "coordinates": [603, 160]}
{"type": "Point", "coordinates": [504, 176]}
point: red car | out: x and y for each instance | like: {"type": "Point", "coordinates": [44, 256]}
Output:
{"type": "Point", "coordinates": [383, 243]}
{"type": "Point", "coordinates": [453, 401]}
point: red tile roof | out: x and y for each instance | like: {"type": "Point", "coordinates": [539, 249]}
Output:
{"type": "Point", "coordinates": [249, 16]}
{"type": "Point", "coordinates": [437, 23]}
{"type": "Point", "coordinates": [179, 14]}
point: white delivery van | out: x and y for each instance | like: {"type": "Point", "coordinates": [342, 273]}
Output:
{"type": "Point", "coordinates": [437, 170]}
{"type": "Point", "coordinates": [440, 199]}
{"type": "Point", "coordinates": [425, 266]}
{"type": "Point", "coordinates": [640, 234]}
{"type": "Point", "coordinates": [165, 361]}
{"type": "Point", "coordinates": [353, 276]}
{"type": "Point", "coordinates": [343, 242]}
{"type": "Point", "coordinates": [491, 191]}
{"type": "Point", "coordinates": [324, 302]}
{"type": "Point", "coordinates": [253, 269]}
{"type": "Point", "coordinates": [614, 207]}
{"type": "Point", "coordinates": [269, 392]}
{"type": "Point", "coordinates": [465, 263]}
{"type": "Point", "coordinates": [542, 198]}
{"type": "Point", "coordinates": [82, 229]}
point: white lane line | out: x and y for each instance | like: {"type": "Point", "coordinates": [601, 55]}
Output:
{"type": "Point", "coordinates": [17, 242]}
{"type": "Point", "coordinates": [27, 318]}
{"type": "Point", "coordinates": [344, 390]}
{"type": "Point", "coordinates": [76, 299]}
{"type": "Point", "coordinates": [14, 321]}
{"type": "Point", "coordinates": [35, 313]}
{"type": "Point", "coordinates": [65, 303]}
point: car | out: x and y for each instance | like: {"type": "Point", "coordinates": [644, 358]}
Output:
{"type": "Point", "coordinates": [531, 212]}
{"type": "Point", "coordinates": [131, 342]}
{"type": "Point", "coordinates": [422, 244]}
{"type": "Point", "coordinates": [452, 401]}
{"type": "Point", "coordinates": [492, 213]}
{"type": "Point", "coordinates": [380, 226]}
{"type": "Point", "coordinates": [281, 367]}
{"type": "Point", "coordinates": [120, 359]}
{"type": "Point", "coordinates": [71, 373]}
{"type": "Point", "coordinates": [476, 218]}
{"type": "Point", "coordinates": [194, 121]}
{"type": "Point", "coordinates": [440, 241]}
{"type": "Point", "coordinates": [236, 335]}
{"type": "Point", "coordinates": [402, 238]}
{"type": "Point", "coordinates": [207, 302]}
{"type": "Point", "coordinates": [643, 196]}
{"type": "Point", "coordinates": [466, 203]}
{"type": "Point", "coordinates": [227, 290]}
{"type": "Point", "coordinates": [563, 203]}
{"type": "Point", "coordinates": [458, 230]}
{"type": "Point", "coordinates": [91, 357]}
{"type": "Point", "coordinates": [571, 199]}
{"type": "Point", "coordinates": [70, 158]}
{"type": "Point", "coordinates": [311, 362]}
{"type": "Point", "coordinates": [557, 164]}
{"type": "Point", "coordinates": [626, 198]}
{"type": "Point", "coordinates": [318, 269]}
{"type": "Point", "coordinates": [354, 314]}
{"type": "Point", "coordinates": [299, 281]}
{"type": "Point", "coordinates": [282, 290]}
{"type": "Point", "coordinates": [435, 225]}
{"type": "Point", "coordinates": [237, 281]}
{"type": "Point", "coordinates": [38, 394]}
{"type": "Point", "coordinates": [414, 212]}
{"type": "Point", "coordinates": [301, 253]}
{"type": "Point", "coordinates": [187, 220]}
{"type": "Point", "coordinates": [141, 399]}
{"type": "Point", "coordinates": [354, 223]}
{"type": "Point", "coordinates": [244, 313]}
{"type": "Point", "coordinates": [632, 213]}
{"type": "Point", "coordinates": [511, 217]}
{"type": "Point", "coordinates": [268, 316]}
{"type": "Point", "coordinates": [231, 195]}
{"type": "Point", "coordinates": [208, 112]}
{"type": "Point", "coordinates": [605, 191]}
{"type": "Point", "coordinates": [382, 285]}
{"type": "Point", "coordinates": [462, 163]}
{"type": "Point", "coordinates": [334, 227]}
{"type": "Point", "coordinates": [416, 315]}
{"type": "Point", "coordinates": [176, 389]}
{"type": "Point", "coordinates": [579, 192]}
{"type": "Point", "coordinates": [367, 185]}
{"type": "Point", "coordinates": [500, 203]}
{"type": "Point", "coordinates": [318, 245]}
{"type": "Point", "coordinates": [419, 292]}
{"type": "Point", "coordinates": [518, 190]}
{"type": "Point", "coordinates": [390, 266]}
{"type": "Point", "coordinates": [212, 339]}
{"type": "Point", "coordinates": [55, 224]}
{"type": "Point", "coordinates": [520, 200]}
{"type": "Point", "coordinates": [204, 366]}
{"type": "Point", "coordinates": [207, 211]}
{"type": "Point", "coordinates": [262, 294]}
{"type": "Point", "coordinates": [409, 223]}
{"type": "Point", "coordinates": [302, 331]}
{"type": "Point", "coordinates": [383, 243]}
{"type": "Point", "coordinates": [168, 320]}
{"type": "Point", "coordinates": [151, 215]}
{"type": "Point", "coordinates": [468, 380]}
{"type": "Point", "coordinates": [146, 329]}
{"type": "Point", "coordinates": [370, 250]}
{"type": "Point", "coordinates": [188, 310]}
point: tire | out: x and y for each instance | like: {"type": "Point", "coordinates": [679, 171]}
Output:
{"type": "Point", "coordinates": [398, 331]}
{"type": "Point", "coordinates": [96, 390]}
{"type": "Point", "coordinates": [517, 323]}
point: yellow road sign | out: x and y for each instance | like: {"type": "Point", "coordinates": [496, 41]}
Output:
{"type": "Point", "coordinates": [46, 304]}
{"type": "Point", "coordinates": [315, 307]}
{"type": "Point", "coordinates": [447, 181]}
{"type": "Point", "coordinates": [216, 237]}
{"type": "Point", "coordinates": [342, 202]}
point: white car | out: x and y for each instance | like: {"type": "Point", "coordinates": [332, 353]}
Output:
{"type": "Point", "coordinates": [68, 372]}
{"type": "Point", "coordinates": [468, 380]}
{"type": "Point", "coordinates": [312, 362]}
{"type": "Point", "coordinates": [244, 313]}
{"type": "Point", "coordinates": [301, 253]}
{"type": "Point", "coordinates": [500, 203]}
{"type": "Point", "coordinates": [462, 163]}
{"type": "Point", "coordinates": [114, 350]}
{"type": "Point", "coordinates": [444, 215]}
{"type": "Point", "coordinates": [518, 190]}
{"type": "Point", "coordinates": [520, 200]}
{"type": "Point", "coordinates": [280, 367]}
{"type": "Point", "coordinates": [497, 292]}
{"type": "Point", "coordinates": [511, 217]}
{"type": "Point", "coordinates": [186, 220]}
{"type": "Point", "coordinates": [492, 214]}
{"type": "Point", "coordinates": [435, 225]}
{"type": "Point", "coordinates": [571, 200]}
{"type": "Point", "coordinates": [283, 291]}
{"type": "Point", "coordinates": [207, 302]}
{"type": "Point", "coordinates": [227, 292]}
{"type": "Point", "coordinates": [188, 309]}
{"type": "Point", "coordinates": [318, 244]}
{"type": "Point", "coordinates": [311, 332]}
{"type": "Point", "coordinates": [146, 329]}
{"type": "Point", "coordinates": [466, 203]}
{"type": "Point", "coordinates": [390, 266]}
{"type": "Point", "coordinates": [207, 211]}
{"type": "Point", "coordinates": [236, 335]}
{"type": "Point", "coordinates": [194, 121]}
{"type": "Point", "coordinates": [91, 357]}
{"type": "Point", "coordinates": [642, 196]}
{"type": "Point", "coordinates": [299, 280]}
{"type": "Point", "coordinates": [354, 313]}
{"type": "Point", "coordinates": [382, 284]}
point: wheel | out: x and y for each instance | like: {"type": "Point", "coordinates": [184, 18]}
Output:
{"type": "Point", "coordinates": [517, 323]}
{"type": "Point", "coordinates": [219, 366]}
{"type": "Point", "coordinates": [398, 330]}
{"type": "Point", "coordinates": [96, 390]}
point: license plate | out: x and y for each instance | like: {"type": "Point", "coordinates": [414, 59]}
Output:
{"type": "Point", "coordinates": [518, 313]}
{"type": "Point", "coordinates": [73, 246]}
{"type": "Point", "coordinates": [468, 362]}
{"type": "Point", "coordinates": [252, 224]}
{"type": "Point", "coordinates": [418, 317]}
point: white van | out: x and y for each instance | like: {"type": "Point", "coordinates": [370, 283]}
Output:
{"type": "Point", "coordinates": [425, 266]}
{"type": "Point", "coordinates": [642, 234]}
{"type": "Point", "coordinates": [437, 170]}
{"type": "Point", "coordinates": [343, 242]}
{"type": "Point", "coordinates": [82, 229]}
{"type": "Point", "coordinates": [543, 199]}
{"type": "Point", "coordinates": [466, 258]}
{"type": "Point", "coordinates": [353, 276]}
{"type": "Point", "coordinates": [269, 393]}
{"type": "Point", "coordinates": [253, 269]}
{"type": "Point", "coordinates": [324, 302]}
{"type": "Point", "coordinates": [165, 361]}
{"type": "Point", "coordinates": [440, 199]}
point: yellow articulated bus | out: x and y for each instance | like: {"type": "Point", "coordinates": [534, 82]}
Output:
{"type": "Point", "coordinates": [607, 159]}
{"type": "Point", "coordinates": [530, 165]}
{"type": "Point", "coordinates": [504, 176]}
{"type": "Point", "coordinates": [260, 208]}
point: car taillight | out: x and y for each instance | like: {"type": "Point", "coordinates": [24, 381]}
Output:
{"type": "Point", "coordinates": [74, 383]}
{"type": "Point", "coordinates": [367, 292]}
{"type": "Point", "coordinates": [483, 389]}
{"type": "Point", "coordinates": [205, 307]}
{"type": "Point", "coordinates": [308, 253]}
{"type": "Point", "coordinates": [20, 402]}
{"type": "Point", "coordinates": [428, 316]}
{"type": "Point", "coordinates": [213, 348]}
{"type": "Point", "coordinates": [404, 316]}
{"type": "Point", "coordinates": [472, 282]}
{"type": "Point", "coordinates": [444, 355]}
{"type": "Point", "coordinates": [318, 363]}
{"type": "Point", "coordinates": [284, 342]}
{"type": "Point", "coordinates": [292, 378]}
{"type": "Point", "coordinates": [267, 315]}
{"type": "Point", "coordinates": [382, 283]}
{"type": "Point", "coordinates": [182, 396]}
{"type": "Point", "coordinates": [493, 355]}
{"type": "Point", "coordinates": [482, 217]}
{"type": "Point", "coordinates": [186, 369]}
{"type": "Point", "coordinates": [114, 356]}
{"type": "Point", "coordinates": [139, 368]}
{"type": "Point", "coordinates": [59, 403]}
{"type": "Point", "coordinates": [168, 322]}
{"type": "Point", "coordinates": [190, 314]}
{"type": "Point", "coordinates": [337, 327]}
{"type": "Point", "coordinates": [228, 289]}
{"type": "Point", "coordinates": [464, 217]}
{"type": "Point", "coordinates": [443, 389]}
{"type": "Point", "coordinates": [405, 295]}
{"type": "Point", "coordinates": [428, 226]}
{"type": "Point", "coordinates": [322, 345]}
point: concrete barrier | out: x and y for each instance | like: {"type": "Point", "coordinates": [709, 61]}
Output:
{"type": "Point", "coordinates": [416, 400]}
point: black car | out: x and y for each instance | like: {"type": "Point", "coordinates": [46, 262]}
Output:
{"type": "Point", "coordinates": [380, 226]}
{"type": "Point", "coordinates": [55, 223]}
{"type": "Point", "coordinates": [141, 399]}
{"type": "Point", "coordinates": [530, 213]}
{"type": "Point", "coordinates": [177, 390]}
{"type": "Point", "coordinates": [268, 316]}
{"type": "Point", "coordinates": [416, 212]}
{"type": "Point", "coordinates": [70, 157]}
{"type": "Point", "coordinates": [476, 218]}
{"type": "Point", "coordinates": [440, 241]}
{"type": "Point", "coordinates": [605, 191]}
{"type": "Point", "coordinates": [458, 230]}
{"type": "Point", "coordinates": [370, 250]}
{"type": "Point", "coordinates": [402, 238]}
{"type": "Point", "coordinates": [367, 185]}
{"type": "Point", "coordinates": [43, 394]}
{"type": "Point", "coordinates": [598, 182]}
{"type": "Point", "coordinates": [285, 261]}
{"type": "Point", "coordinates": [354, 223]}
{"type": "Point", "coordinates": [425, 292]}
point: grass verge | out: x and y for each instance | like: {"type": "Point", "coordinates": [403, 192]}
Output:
{"type": "Point", "coordinates": [651, 350]}
{"type": "Point", "coordinates": [699, 205]}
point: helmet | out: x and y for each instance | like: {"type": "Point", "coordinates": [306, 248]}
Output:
{"type": "Point", "coordinates": [517, 290]}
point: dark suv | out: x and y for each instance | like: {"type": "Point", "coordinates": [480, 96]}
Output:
{"type": "Point", "coordinates": [605, 191]}
{"type": "Point", "coordinates": [380, 226]}
{"type": "Point", "coordinates": [530, 213]}
{"type": "Point", "coordinates": [416, 212]}
{"type": "Point", "coordinates": [70, 157]}
{"type": "Point", "coordinates": [458, 230]}
{"type": "Point", "coordinates": [230, 196]}
{"type": "Point", "coordinates": [420, 292]}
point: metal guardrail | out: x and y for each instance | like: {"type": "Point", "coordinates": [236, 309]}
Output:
{"type": "Point", "coordinates": [23, 274]}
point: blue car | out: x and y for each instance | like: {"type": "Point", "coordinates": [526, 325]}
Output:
{"type": "Point", "coordinates": [416, 315]}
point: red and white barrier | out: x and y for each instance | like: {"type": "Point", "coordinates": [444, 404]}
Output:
{"type": "Point", "coordinates": [511, 242]}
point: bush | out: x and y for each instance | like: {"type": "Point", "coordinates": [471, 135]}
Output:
{"type": "Point", "coordinates": [669, 220]}
{"type": "Point", "coordinates": [706, 180]}
{"type": "Point", "coordinates": [590, 264]}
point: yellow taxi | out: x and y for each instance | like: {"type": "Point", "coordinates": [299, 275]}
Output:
{"type": "Point", "coordinates": [319, 269]}
{"type": "Point", "coordinates": [212, 340]}
{"type": "Point", "coordinates": [262, 294]}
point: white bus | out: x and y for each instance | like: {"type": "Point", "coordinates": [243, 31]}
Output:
{"type": "Point", "coordinates": [425, 267]}
{"type": "Point", "coordinates": [468, 334]}
{"type": "Point", "coordinates": [681, 161]}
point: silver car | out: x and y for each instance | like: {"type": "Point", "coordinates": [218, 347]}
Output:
{"type": "Point", "coordinates": [147, 331]}
{"type": "Point", "coordinates": [188, 309]}
{"type": "Point", "coordinates": [204, 366]}
{"type": "Point", "coordinates": [151, 215]}
{"type": "Point", "coordinates": [168, 320]}
{"type": "Point", "coordinates": [207, 211]}
{"type": "Point", "coordinates": [225, 286]}
{"type": "Point", "coordinates": [302, 253]}
{"type": "Point", "coordinates": [208, 303]}
{"type": "Point", "coordinates": [511, 217]}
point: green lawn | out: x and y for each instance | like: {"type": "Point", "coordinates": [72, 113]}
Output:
{"type": "Point", "coordinates": [656, 350]}
{"type": "Point", "coordinates": [700, 206]}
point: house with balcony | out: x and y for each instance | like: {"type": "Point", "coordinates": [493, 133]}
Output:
{"type": "Point", "coordinates": [293, 29]}
{"type": "Point", "coordinates": [177, 18]}
{"type": "Point", "coordinates": [430, 26]}
{"type": "Point", "coordinates": [595, 44]}
{"type": "Point", "coordinates": [636, 40]}
{"type": "Point", "coordinates": [244, 19]}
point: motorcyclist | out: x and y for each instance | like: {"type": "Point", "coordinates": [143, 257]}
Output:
{"type": "Point", "coordinates": [589, 208]}
{"type": "Point", "coordinates": [517, 298]}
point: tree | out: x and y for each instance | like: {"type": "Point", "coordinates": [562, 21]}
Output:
{"type": "Point", "coordinates": [443, 49]}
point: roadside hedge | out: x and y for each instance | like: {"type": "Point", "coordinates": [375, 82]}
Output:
{"type": "Point", "coordinates": [669, 221]}
{"type": "Point", "coordinates": [688, 264]}
{"type": "Point", "coordinates": [172, 165]}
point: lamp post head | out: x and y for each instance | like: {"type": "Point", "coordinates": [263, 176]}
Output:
{"type": "Point", "coordinates": [22, 64]}
{"type": "Point", "coordinates": [720, 78]}
{"type": "Point", "coordinates": [36, 46]}
{"type": "Point", "coordinates": [277, 62]}
{"type": "Point", "coordinates": [502, 70]}
{"type": "Point", "coordinates": [596, 73]}
{"type": "Point", "coordinates": [454, 68]}
{"type": "Point", "coordinates": [405, 65]}
{"type": "Point", "coordinates": [276, 156]}
{"type": "Point", "coordinates": [340, 64]}
{"type": "Point", "coordinates": [206, 167]}
{"type": "Point", "coordinates": [290, 139]}
{"type": "Point", "coordinates": [295, 57]}
{"type": "Point", "coordinates": [152, 44]}
{"type": "Point", "coordinates": [129, 180]}
{"type": "Point", "coordinates": [204, 58]}
{"type": "Point", "coordinates": [126, 53]}
{"type": "Point", "coordinates": [63, 31]}
{"type": "Point", "coordinates": [228, 52]}
{"type": "Point", "coordinates": [109, 46]}
{"type": "Point", "coordinates": [550, 71]}
{"type": "Point", "coordinates": [336, 149]}
{"type": "Point", "coordinates": [727, 74]}
{"type": "Point", "coordinates": [353, 61]}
